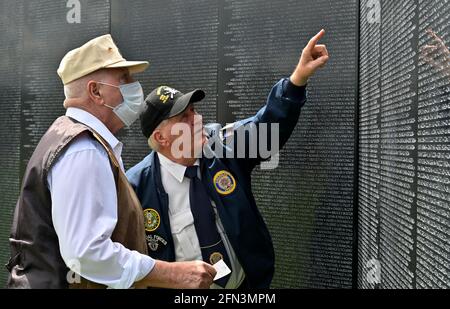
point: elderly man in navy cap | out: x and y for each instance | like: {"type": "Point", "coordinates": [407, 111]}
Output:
{"type": "Point", "coordinates": [200, 207]}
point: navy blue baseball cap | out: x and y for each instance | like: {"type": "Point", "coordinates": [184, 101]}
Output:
{"type": "Point", "coordinates": [163, 103]}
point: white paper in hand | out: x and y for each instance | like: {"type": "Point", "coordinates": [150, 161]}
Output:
{"type": "Point", "coordinates": [222, 270]}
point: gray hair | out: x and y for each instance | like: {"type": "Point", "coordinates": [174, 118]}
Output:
{"type": "Point", "coordinates": [77, 88]}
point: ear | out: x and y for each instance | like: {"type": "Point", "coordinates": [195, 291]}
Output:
{"type": "Point", "coordinates": [161, 139]}
{"type": "Point", "coordinates": [93, 91]}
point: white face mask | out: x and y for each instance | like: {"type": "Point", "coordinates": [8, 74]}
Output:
{"type": "Point", "coordinates": [133, 102]}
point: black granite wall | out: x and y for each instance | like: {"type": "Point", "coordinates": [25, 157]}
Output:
{"type": "Point", "coordinates": [361, 194]}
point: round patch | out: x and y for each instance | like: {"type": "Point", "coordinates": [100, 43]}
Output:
{"type": "Point", "coordinates": [151, 219]}
{"type": "Point", "coordinates": [224, 182]}
{"type": "Point", "coordinates": [215, 257]}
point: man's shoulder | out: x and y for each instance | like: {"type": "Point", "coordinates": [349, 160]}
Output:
{"type": "Point", "coordinates": [82, 152]}
{"type": "Point", "coordinates": [84, 142]}
{"type": "Point", "coordinates": [143, 167]}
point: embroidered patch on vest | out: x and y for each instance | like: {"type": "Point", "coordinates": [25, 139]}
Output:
{"type": "Point", "coordinates": [151, 219]}
{"type": "Point", "coordinates": [153, 241]}
{"type": "Point", "coordinates": [224, 182]}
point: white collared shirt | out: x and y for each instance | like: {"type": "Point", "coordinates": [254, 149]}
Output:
{"type": "Point", "coordinates": [187, 247]}
{"type": "Point", "coordinates": [84, 210]}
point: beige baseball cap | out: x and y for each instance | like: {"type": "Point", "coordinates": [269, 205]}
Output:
{"type": "Point", "coordinates": [98, 53]}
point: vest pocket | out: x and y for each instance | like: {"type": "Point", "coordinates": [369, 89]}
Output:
{"type": "Point", "coordinates": [185, 239]}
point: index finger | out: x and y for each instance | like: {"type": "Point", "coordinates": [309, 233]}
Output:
{"type": "Point", "coordinates": [315, 39]}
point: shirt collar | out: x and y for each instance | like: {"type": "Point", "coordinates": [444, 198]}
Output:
{"type": "Point", "coordinates": [98, 126]}
{"type": "Point", "coordinates": [175, 169]}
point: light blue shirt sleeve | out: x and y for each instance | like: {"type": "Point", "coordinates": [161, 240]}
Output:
{"type": "Point", "coordinates": [84, 214]}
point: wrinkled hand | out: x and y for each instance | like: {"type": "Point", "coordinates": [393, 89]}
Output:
{"type": "Point", "coordinates": [314, 56]}
{"type": "Point", "coordinates": [193, 275]}
{"type": "Point", "coordinates": [436, 54]}
{"type": "Point", "coordinates": [178, 275]}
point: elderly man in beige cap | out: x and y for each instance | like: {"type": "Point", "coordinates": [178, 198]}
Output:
{"type": "Point", "coordinates": [77, 221]}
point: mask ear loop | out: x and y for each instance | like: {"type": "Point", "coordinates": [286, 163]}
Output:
{"type": "Point", "coordinates": [109, 106]}
{"type": "Point", "coordinates": [108, 84]}
{"type": "Point", "coordinates": [103, 83]}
